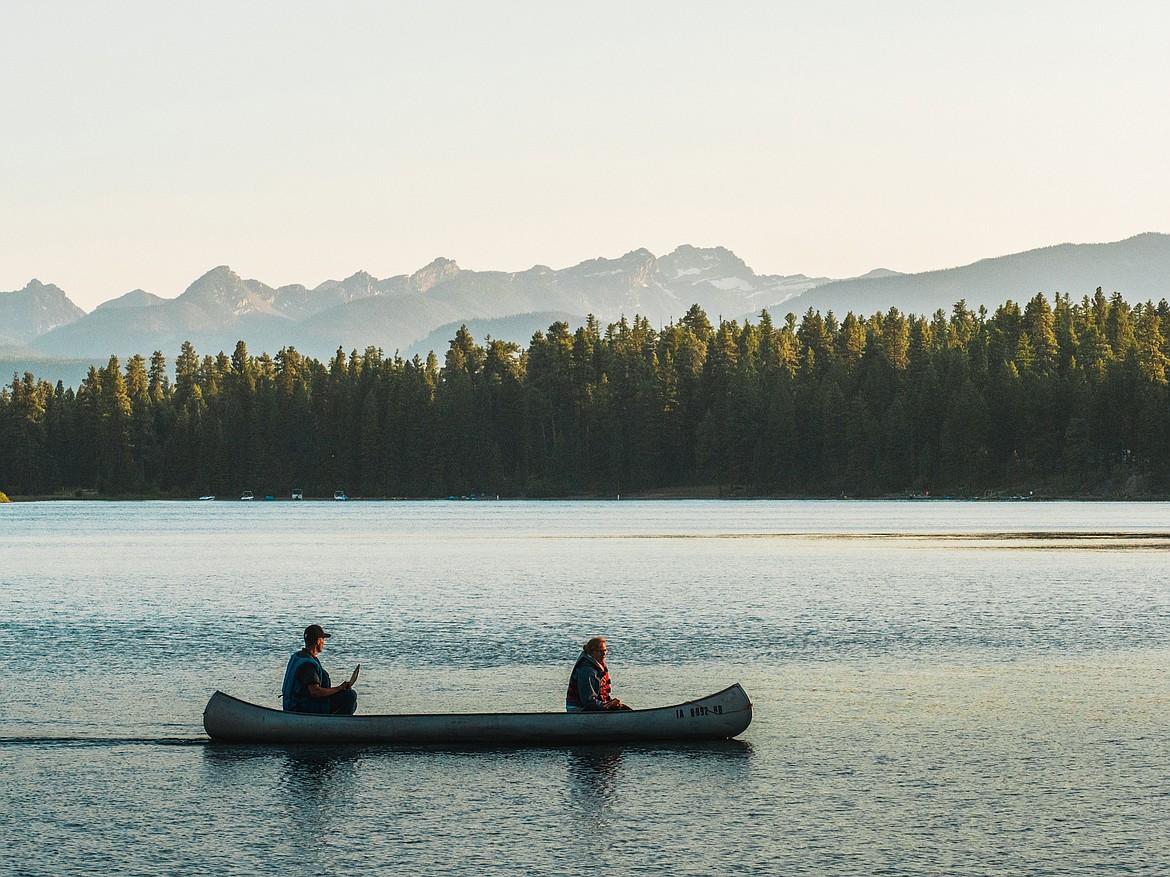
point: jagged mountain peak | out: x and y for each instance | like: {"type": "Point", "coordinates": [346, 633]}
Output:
{"type": "Point", "coordinates": [688, 263]}
{"type": "Point", "coordinates": [640, 261]}
{"type": "Point", "coordinates": [41, 292]}
{"type": "Point", "coordinates": [708, 253]}
{"type": "Point", "coordinates": [222, 291]}
{"type": "Point", "coordinates": [357, 285]}
{"type": "Point", "coordinates": [436, 272]}
{"type": "Point", "coordinates": [34, 310]}
{"type": "Point", "coordinates": [223, 272]}
{"type": "Point", "coordinates": [35, 285]}
{"type": "Point", "coordinates": [213, 283]}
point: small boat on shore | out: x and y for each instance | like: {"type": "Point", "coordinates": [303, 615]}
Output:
{"type": "Point", "coordinates": [715, 717]}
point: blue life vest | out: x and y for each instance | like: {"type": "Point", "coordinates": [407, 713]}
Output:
{"type": "Point", "coordinates": [292, 693]}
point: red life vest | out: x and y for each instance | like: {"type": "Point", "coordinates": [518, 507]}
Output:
{"type": "Point", "coordinates": [573, 695]}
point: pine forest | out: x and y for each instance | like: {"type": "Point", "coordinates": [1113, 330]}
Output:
{"type": "Point", "coordinates": [1058, 398]}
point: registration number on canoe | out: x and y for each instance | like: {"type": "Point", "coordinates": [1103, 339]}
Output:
{"type": "Point", "coordinates": [699, 711]}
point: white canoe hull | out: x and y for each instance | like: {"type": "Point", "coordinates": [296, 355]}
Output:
{"type": "Point", "coordinates": [716, 717]}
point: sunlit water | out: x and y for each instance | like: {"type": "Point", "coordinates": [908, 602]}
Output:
{"type": "Point", "coordinates": [940, 688]}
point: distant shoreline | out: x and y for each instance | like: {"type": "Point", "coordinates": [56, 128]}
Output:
{"type": "Point", "coordinates": [663, 495]}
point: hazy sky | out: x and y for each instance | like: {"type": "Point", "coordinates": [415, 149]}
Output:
{"type": "Point", "coordinates": [142, 144]}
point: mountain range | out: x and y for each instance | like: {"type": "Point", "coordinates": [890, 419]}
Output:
{"type": "Point", "coordinates": [418, 312]}
{"type": "Point", "coordinates": [1138, 268]}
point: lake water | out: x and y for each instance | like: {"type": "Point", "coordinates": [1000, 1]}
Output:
{"type": "Point", "coordinates": [941, 688]}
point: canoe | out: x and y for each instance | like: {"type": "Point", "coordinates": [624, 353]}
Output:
{"type": "Point", "coordinates": [715, 717]}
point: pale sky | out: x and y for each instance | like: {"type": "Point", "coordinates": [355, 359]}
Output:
{"type": "Point", "coordinates": [143, 143]}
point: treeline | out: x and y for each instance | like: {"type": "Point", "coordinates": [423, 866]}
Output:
{"type": "Point", "coordinates": [1065, 397]}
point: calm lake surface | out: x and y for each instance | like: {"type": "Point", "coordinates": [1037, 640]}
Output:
{"type": "Point", "coordinates": [940, 688]}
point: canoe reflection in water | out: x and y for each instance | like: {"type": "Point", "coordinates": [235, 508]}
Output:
{"type": "Point", "coordinates": [607, 785]}
{"type": "Point", "coordinates": [594, 776]}
{"type": "Point", "coordinates": [312, 777]}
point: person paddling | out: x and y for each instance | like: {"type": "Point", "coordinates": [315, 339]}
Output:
{"type": "Point", "coordinates": [306, 686]}
{"type": "Point", "coordinates": [589, 681]}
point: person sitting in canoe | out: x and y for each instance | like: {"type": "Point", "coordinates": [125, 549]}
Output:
{"type": "Point", "coordinates": [589, 681]}
{"type": "Point", "coordinates": [306, 686]}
